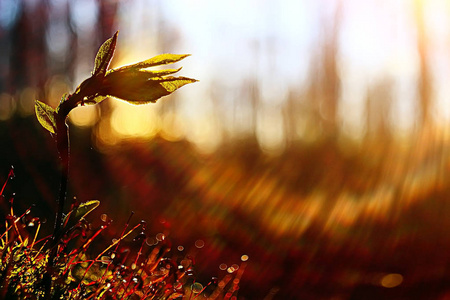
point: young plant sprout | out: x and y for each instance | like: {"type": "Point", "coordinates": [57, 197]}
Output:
{"type": "Point", "coordinates": [63, 266]}
{"type": "Point", "coordinates": [135, 84]}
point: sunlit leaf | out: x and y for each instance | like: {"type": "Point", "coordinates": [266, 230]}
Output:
{"type": "Point", "coordinates": [145, 72]}
{"type": "Point", "coordinates": [141, 87]}
{"type": "Point", "coordinates": [162, 59]}
{"type": "Point", "coordinates": [104, 55]}
{"type": "Point", "coordinates": [75, 215]}
{"type": "Point", "coordinates": [45, 115]}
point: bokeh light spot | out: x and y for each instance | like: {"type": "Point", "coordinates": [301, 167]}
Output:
{"type": "Point", "coordinates": [84, 116]}
{"type": "Point", "coordinates": [7, 106]}
{"type": "Point", "coordinates": [199, 244]}
{"type": "Point", "coordinates": [391, 280]}
{"type": "Point", "coordinates": [134, 121]}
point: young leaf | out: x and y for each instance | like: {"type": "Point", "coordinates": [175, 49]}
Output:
{"type": "Point", "coordinates": [46, 116]}
{"type": "Point", "coordinates": [104, 55]}
{"type": "Point", "coordinates": [140, 88]}
{"type": "Point", "coordinates": [162, 59]}
{"type": "Point", "coordinates": [150, 73]}
{"type": "Point", "coordinates": [75, 215]}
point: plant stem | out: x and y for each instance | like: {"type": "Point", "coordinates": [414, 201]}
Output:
{"type": "Point", "coordinates": [62, 144]}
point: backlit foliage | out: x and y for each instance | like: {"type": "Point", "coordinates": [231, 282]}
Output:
{"type": "Point", "coordinates": [144, 270]}
{"type": "Point", "coordinates": [63, 265]}
{"type": "Point", "coordinates": [135, 84]}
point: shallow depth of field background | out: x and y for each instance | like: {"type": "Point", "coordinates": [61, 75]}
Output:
{"type": "Point", "coordinates": [316, 142]}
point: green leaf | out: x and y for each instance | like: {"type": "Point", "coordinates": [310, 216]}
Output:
{"type": "Point", "coordinates": [149, 73]}
{"type": "Point", "coordinates": [141, 87]}
{"type": "Point", "coordinates": [162, 59]}
{"type": "Point", "coordinates": [104, 55]}
{"type": "Point", "coordinates": [46, 116]}
{"type": "Point", "coordinates": [79, 212]}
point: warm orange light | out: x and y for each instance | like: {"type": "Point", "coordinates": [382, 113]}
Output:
{"type": "Point", "coordinates": [84, 116]}
{"type": "Point", "coordinates": [391, 280]}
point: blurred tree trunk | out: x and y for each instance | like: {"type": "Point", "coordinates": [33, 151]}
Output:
{"type": "Point", "coordinates": [424, 84]}
{"type": "Point", "coordinates": [330, 75]}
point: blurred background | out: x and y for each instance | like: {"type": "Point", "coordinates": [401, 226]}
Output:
{"type": "Point", "coordinates": [316, 142]}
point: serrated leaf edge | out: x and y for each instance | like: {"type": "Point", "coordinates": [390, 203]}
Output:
{"type": "Point", "coordinates": [105, 54]}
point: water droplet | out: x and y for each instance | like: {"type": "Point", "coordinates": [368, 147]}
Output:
{"type": "Point", "coordinates": [235, 267]}
{"type": "Point", "coordinates": [104, 217]}
{"type": "Point", "coordinates": [133, 266]}
{"type": "Point", "coordinates": [150, 242]}
{"type": "Point", "coordinates": [105, 259]}
{"type": "Point", "coordinates": [160, 237]}
{"type": "Point", "coordinates": [244, 257]}
{"type": "Point", "coordinates": [11, 173]}
{"type": "Point", "coordinates": [177, 285]}
{"type": "Point", "coordinates": [143, 224]}
{"type": "Point", "coordinates": [199, 244]}
{"type": "Point", "coordinates": [223, 267]}
{"type": "Point", "coordinates": [140, 236]}
{"type": "Point", "coordinates": [196, 287]}
{"type": "Point", "coordinates": [180, 248]}
{"type": "Point", "coordinates": [31, 224]}
{"type": "Point", "coordinates": [189, 272]}
{"type": "Point", "coordinates": [113, 255]}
